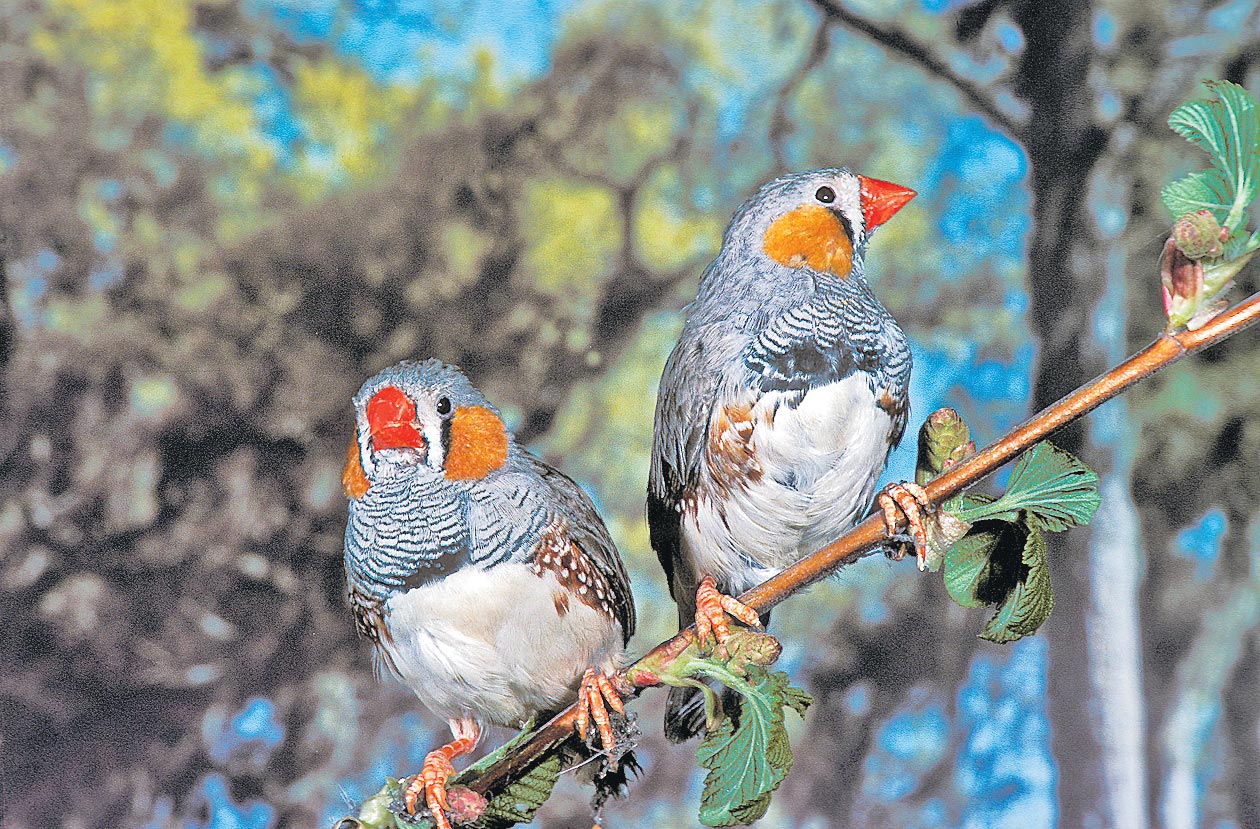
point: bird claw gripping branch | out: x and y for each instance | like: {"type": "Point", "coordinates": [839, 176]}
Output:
{"type": "Point", "coordinates": [595, 696]}
{"type": "Point", "coordinates": [712, 607]}
{"type": "Point", "coordinates": [437, 769]}
{"type": "Point", "coordinates": [912, 501]}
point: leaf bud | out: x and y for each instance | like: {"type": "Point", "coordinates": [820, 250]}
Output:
{"type": "Point", "coordinates": [1198, 235]}
{"type": "Point", "coordinates": [1182, 281]}
{"type": "Point", "coordinates": [750, 647]}
{"type": "Point", "coordinates": [944, 440]}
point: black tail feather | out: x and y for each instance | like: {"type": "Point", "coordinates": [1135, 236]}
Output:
{"type": "Point", "coordinates": [684, 714]}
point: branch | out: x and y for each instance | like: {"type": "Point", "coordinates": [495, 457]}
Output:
{"type": "Point", "coordinates": [779, 124]}
{"type": "Point", "coordinates": [906, 46]}
{"type": "Point", "coordinates": [869, 536]}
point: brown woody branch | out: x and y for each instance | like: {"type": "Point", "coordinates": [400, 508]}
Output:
{"type": "Point", "coordinates": [870, 535]}
{"type": "Point", "coordinates": [903, 44]}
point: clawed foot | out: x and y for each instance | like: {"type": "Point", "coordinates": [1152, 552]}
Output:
{"type": "Point", "coordinates": [431, 781]}
{"type": "Point", "coordinates": [437, 769]}
{"type": "Point", "coordinates": [597, 688]}
{"type": "Point", "coordinates": [712, 608]}
{"type": "Point", "coordinates": [912, 501]}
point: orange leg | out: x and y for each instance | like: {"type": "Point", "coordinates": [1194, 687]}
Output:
{"type": "Point", "coordinates": [911, 500]}
{"type": "Point", "coordinates": [596, 688]}
{"type": "Point", "coordinates": [437, 769]}
{"type": "Point", "coordinates": [711, 610]}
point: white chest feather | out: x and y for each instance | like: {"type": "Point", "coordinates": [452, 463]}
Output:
{"type": "Point", "coordinates": [815, 469]}
{"type": "Point", "coordinates": [497, 645]}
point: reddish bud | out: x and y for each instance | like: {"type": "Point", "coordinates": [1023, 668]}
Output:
{"type": "Point", "coordinates": [1198, 235]}
{"type": "Point", "coordinates": [1182, 281]}
{"type": "Point", "coordinates": [464, 805]}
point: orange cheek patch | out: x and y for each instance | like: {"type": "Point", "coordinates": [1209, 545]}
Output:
{"type": "Point", "coordinates": [813, 236]}
{"type": "Point", "coordinates": [354, 482]}
{"type": "Point", "coordinates": [478, 444]}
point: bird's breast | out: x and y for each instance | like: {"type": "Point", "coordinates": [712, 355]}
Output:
{"type": "Point", "coordinates": [498, 644]}
{"type": "Point", "coordinates": [804, 437]}
{"type": "Point", "coordinates": [817, 456]}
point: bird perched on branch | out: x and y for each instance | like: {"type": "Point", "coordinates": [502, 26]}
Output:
{"type": "Point", "coordinates": [779, 404]}
{"type": "Point", "coordinates": [483, 577]}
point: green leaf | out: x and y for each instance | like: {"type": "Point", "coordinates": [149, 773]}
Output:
{"type": "Point", "coordinates": [984, 566]}
{"type": "Point", "coordinates": [965, 565]}
{"type": "Point", "coordinates": [1002, 560]}
{"type": "Point", "coordinates": [1054, 486]}
{"type": "Point", "coordinates": [798, 699]}
{"type": "Point", "coordinates": [974, 508]}
{"type": "Point", "coordinates": [1203, 190]}
{"type": "Point", "coordinates": [519, 801]}
{"type": "Point", "coordinates": [1029, 603]}
{"type": "Point", "coordinates": [747, 762]}
{"type": "Point", "coordinates": [374, 813]}
{"type": "Point", "coordinates": [1227, 128]}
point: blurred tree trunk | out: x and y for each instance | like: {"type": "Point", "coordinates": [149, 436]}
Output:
{"type": "Point", "coordinates": [1096, 719]}
{"type": "Point", "coordinates": [1242, 730]}
{"type": "Point", "coordinates": [865, 673]}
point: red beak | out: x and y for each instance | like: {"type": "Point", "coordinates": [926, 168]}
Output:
{"type": "Point", "coordinates": [881, 199]}
{"type": "Point", "coordinates": [392, 421]}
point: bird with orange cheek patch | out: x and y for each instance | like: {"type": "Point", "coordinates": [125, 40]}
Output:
{"type": "Point", "coordinates": [779, 405]}
{"type": "Point", "coordinates": [483, 577]}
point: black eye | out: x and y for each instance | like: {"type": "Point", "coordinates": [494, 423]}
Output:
{"type": "Point", "coordinates": [825, 194]}
{"type": "Point", "coordinates": [444, 406]}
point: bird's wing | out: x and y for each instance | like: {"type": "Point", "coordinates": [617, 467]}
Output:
{"type": "Point", "coordinates": [516, 512]}
{"type": "Point", "coordinates": [573, 507]}
{"type": "Point", "coordinates": [688, 394]}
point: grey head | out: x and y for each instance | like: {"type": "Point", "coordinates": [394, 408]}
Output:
{"type": "Point", "coordinates": [408, 416]}
{"type": "Point", "coordinates": [836, 189]}
{"type": "Point", "coordinates": [820, 221]}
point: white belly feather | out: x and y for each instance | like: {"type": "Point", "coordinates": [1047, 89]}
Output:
{"type": "Point", "coordinates": [493, 645]}
{"type": "Point", "coordinates": [819, 464]}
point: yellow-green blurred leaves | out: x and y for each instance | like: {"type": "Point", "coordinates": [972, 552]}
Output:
{"type": "Point", "coordinates": [463, 248]}
{"type": "Point", "coordinates": [155, 97]}
{"type": "Point", "coordinates": [144, 60]}
{"type": "Point", "coordinates": [151, 396]}
{"type": "Point", "coordinates": [667, 235]}
{"type": "Point", "coordinates": [572, 234]}
{"type": "Point", "coordinates": [348, 119]}
{"type": "Point", "coordinates": [636, 132]}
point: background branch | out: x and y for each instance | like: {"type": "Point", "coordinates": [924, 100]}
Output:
{"type": "Point", "coordinates": [903, 44]}
{"type": "Point", "coordinates": [780, 125]}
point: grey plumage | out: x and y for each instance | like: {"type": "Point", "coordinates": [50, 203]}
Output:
{"type": "Point", "coordinates": [760, 338]}
{"type": "Point", "coordinates": [414, 528]}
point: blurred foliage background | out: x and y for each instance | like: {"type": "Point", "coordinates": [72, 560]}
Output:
{"type": "Point", "coordinates": [218, 216]}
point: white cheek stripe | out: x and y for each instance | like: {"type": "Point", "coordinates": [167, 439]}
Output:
{"type": "Point", "coordinates": [435, 455]}
{"type": "Point", "coordinates": [851, 205]}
